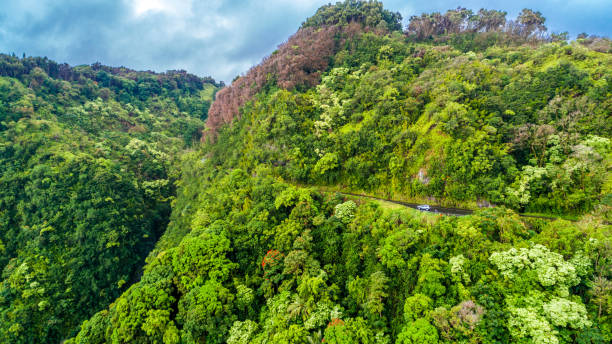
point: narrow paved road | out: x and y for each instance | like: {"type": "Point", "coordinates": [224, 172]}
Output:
{"type": "Point", "coordinates": [433, 208]}
{"type": "Point", "coordinates": [437, 209]}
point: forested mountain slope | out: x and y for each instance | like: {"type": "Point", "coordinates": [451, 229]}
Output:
{"type": "Point", "coordinates": [462, 107]}
{"type": "Point", "coordinates": [88, 160]}
{"type": "Point", "coordinates": [525, 124]}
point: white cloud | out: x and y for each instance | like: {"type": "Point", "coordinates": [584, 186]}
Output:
{"type": "Point", "coordinates": [170, 7]}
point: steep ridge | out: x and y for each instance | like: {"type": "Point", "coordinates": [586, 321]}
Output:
{"type": "Point", "coordinates": [299, 62]}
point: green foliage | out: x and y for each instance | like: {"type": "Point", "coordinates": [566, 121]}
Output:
{"type": "Point", "coordinates": [254, 253]}
{"type": "Point", "coordinates": [544, 313]}
{"type": "Point", "coordinates": [482, 121]}
{"type": "Point", "coordinates": [345, 211]}
{"type": "Point", "coordinates": [419, 331]}
{"type": "Point", "coordinates": [226, 281]}
{"type": "Point", "coordinates": [352, 331]}
{"type": "Point", "coordinates": [88, 158]}
{"type": "Point", "coordinates": [514, 126]}
{"type": "Point", "coordinates": [416, 306]}
{"type": "Point", "coordinates": [549, 269]}
{"type": "Point", "coordinates": [367, 13]}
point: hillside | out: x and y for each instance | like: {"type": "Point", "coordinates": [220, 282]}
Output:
{"type": "Point", "coordinates": [89, 158]}
{"type": "Point", "coordinates": [422, 120]}
{"type": "Point", "coordinates": [460, 108]}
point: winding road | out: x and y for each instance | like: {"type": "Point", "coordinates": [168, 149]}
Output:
{"type": "Point", "coordinates": [437, 209]}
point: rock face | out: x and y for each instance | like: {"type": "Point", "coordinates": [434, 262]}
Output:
{"type": "Point", "coordinates": [485, 204]}
{"type": "Point", "coordinates": [423, 176]}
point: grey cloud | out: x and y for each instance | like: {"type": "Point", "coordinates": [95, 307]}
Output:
{"type": "Point", "coordinates": [220, 38]}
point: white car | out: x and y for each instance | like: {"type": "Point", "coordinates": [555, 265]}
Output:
{"type": "Point", "coordinates": [424, 207]}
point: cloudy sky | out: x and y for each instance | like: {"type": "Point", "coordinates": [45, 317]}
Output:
{"type": "Point", "coordinates": [220, 38]}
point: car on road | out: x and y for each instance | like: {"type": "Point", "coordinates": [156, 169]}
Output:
{"type": "Point", "coordinates": [423, 207]}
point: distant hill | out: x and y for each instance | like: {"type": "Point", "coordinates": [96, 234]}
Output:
{"type": "Point", "coordinates": [89, 157]}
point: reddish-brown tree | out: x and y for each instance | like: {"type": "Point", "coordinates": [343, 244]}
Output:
{"type": "Point", "coordinates": [298, 62]}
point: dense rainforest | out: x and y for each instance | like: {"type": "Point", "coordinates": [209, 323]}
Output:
{"type": "Point", "coordinates": [89, 158]}
{"type": "Point", "coordinates": [119, 207]}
